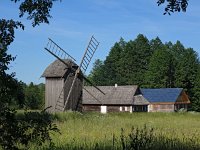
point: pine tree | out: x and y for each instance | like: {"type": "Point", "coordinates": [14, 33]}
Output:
{"type": "Point", "coordinates": [136, 58]}
{"type": "Point", "coordinates": [187, 69]}
{"type": "Point", "coordinates": [112, 64]}
{"type": "Point", "coordinates": [156, 44]}
{"type": "Point", "coordinates": [196, 92]}
{"type": "Point", "coordinates": [160, 72]}
{"type": "Point", "coordinates": [97, 76]}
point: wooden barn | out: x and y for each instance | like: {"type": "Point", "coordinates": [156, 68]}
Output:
{"type": "Point", "coordinates": [58, 79]}
{"type": "Point", "coordinates": [140, 104]}
{"type": "Point", "coordinates": [116, 99]}
{"type": "Point", "coordinates": [166, 99]}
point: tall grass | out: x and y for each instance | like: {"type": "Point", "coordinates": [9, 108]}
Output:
{"type": "Point", "coordinates": [140, 131]}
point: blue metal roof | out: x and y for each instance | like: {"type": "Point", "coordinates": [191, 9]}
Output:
{"type": "Point", "coordinates": [162, 94]}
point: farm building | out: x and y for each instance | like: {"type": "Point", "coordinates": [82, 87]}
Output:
{"type": "Point", "coordinates": [56, 74]}
{"type": "Point", "coordinates": [134, 99]}
{"type": "Point", "coordinates": [116, 99]}
{"type": "Point", "coordinates": [166, 99]}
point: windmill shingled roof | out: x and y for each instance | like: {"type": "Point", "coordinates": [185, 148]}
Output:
{"type": "Point", "coordinates": [162, 94]}
{"type": "Point", "coordinates": [113, 95]}
{"type": "Point", "coordinates": [57, 68]}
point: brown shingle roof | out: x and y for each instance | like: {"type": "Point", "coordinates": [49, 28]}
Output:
{"type": "Point", "coordinates": [140, 100]}
{"type": "Point", "coordinates": [113, 95]}
{"type": "Point", "coordinates": [57, 68]}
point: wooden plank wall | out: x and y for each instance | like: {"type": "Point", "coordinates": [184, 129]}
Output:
{"type": "Point", "coordinates": [91, 108]}
{"type": "Point", "coordinates": [75, 99]}
{"type": "Point", "coordinates": [113, 108]}
{"type": "Point", "coordinates": [161, 107]}
{"type": "Point", "coordinates": [53, 87]}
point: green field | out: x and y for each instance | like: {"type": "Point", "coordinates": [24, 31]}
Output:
{"type": "Point", "coordinates": [142, 130]}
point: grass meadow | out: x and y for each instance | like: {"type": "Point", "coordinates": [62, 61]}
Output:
{"type": "Point", "coordinates": [126, 131]}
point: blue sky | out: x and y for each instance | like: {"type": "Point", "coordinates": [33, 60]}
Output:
{"type": "Point", "coordinates": [74, 22]}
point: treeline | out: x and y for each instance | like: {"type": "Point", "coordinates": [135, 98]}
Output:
{"type": "Point", "coordinates": [28, 96]}
{"type": "Point", "coordinates": [150, 64]}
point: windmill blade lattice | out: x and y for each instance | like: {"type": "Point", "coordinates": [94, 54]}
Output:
{"type": "Point", "coordinates": [90, 50]}
{"type": "Point", "coordinates": [57, 51]}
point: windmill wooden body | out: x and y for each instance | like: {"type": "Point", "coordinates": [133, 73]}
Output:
{"type": "Point", "coordinates": [64, 78]}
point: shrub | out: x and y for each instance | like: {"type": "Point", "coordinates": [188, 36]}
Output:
{"type": "Point", "coordinates": [30, 127]}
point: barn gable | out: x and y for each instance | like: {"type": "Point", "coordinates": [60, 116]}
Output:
{"type": "Point", "coordinates": [183, 98]}
{"type": "Point", "coordinates": [140, 100]}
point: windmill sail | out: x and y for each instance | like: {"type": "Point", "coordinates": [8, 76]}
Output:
{"type": "Point", "coordinates": [89, 52]}
{"type": "Point", "coordinates": [58, 52]}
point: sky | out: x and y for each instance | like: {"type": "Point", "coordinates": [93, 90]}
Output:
{"type": "Point", "coordinates": [74, 22]}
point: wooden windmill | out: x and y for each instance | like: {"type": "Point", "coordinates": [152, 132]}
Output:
{"type": "Point", "coordinates": [71, 83]}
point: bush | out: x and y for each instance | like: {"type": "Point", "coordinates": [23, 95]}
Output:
{"type": "Point", "coordinates": [34, 96]}
{"type": "Point", "coordinates": [30, 127]}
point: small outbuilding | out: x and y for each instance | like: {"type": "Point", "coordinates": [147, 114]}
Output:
{"type": "Point", "coordinates": [58, 80]}
{"type": "Point", "coordinates": [140, 104]}
{"type": "Point", "coordinates": [116, 99]}
{"type": "Point", "coordinates": [166, 99]}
